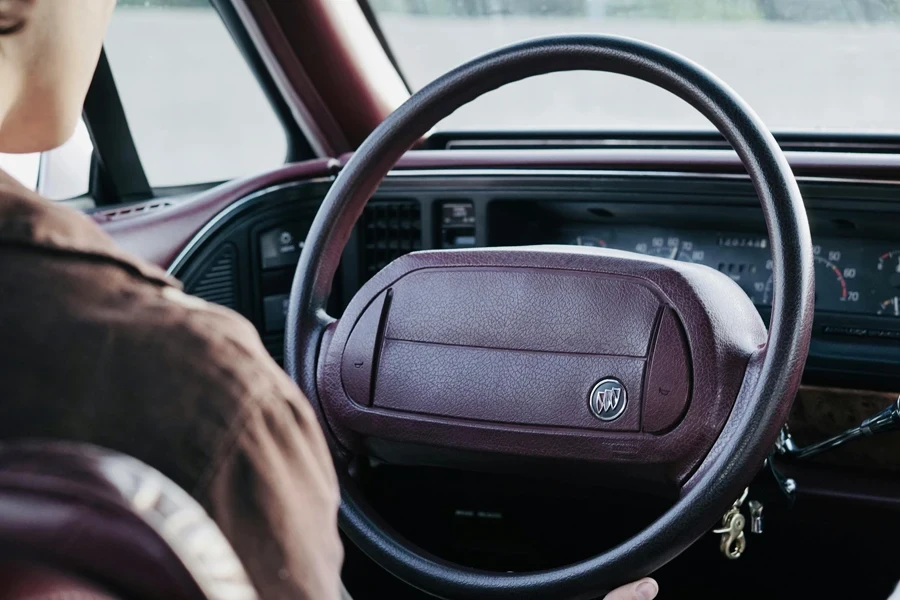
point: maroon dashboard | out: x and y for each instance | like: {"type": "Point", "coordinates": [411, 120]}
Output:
{"type": "Point", "coordinates": [237, 245]}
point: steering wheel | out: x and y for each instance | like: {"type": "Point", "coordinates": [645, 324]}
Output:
{"type": "Point", "coordinates": [649, 365]}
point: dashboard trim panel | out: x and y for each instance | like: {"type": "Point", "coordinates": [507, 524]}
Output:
{"type": "Point", "coordinates": [409, 173]}
{"type": "Point", "coordinates": [181, 259]}
{"type": "Point", "coordinates": [821, 164]}
{"type": "Point", "coordinates": [837, 359]}
{"type": "Point", "coordinates": [158, 236]}
{"type": "Point", "coordinates": [570, 172]}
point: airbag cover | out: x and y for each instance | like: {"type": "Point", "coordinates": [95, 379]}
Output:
{"type": "Point", "coordinates": [519, 346]}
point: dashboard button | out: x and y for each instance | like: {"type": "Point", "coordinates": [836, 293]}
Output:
{"type": "Point", "coordinates": [669, 380]}
{"type": "Point", "coordinates": [280, 247]}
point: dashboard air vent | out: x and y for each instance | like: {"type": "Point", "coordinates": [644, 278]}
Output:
{"type": "Point", "coordinates": [127, 212]}
{"type": "Point", "coordinates": [218, 282]}
{"type": "Point", "coordinates": [389, 229]}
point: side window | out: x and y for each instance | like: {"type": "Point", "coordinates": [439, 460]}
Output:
{"type": "Point", "coordinates": [196, 112]}
{"type": "Point", "coordinates": [24, 167]}
{"type": "Point", "coordinates": [65, 171]}
{"type": "Point", "coordinates": [61, 173]}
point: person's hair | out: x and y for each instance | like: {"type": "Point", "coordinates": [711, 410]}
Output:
{"type": "Point", "coordinates": [13, 15]}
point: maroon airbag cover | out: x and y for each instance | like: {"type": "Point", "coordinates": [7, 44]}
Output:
{"type": "Point", "coordinates": [547, 351]}
{"type": "Point", "coordinates": [518, 346]}
{"type": "Point", "coordinates": [545, 310]}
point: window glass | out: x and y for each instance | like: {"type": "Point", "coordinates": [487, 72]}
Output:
{"type": "Point", "coordinates": [803, 65]}
{"type": "Point", "coordinates": [196, 112]}
{"type": "Point", "coordinates": [58, 174]}
{"type": "Point", "coordinates": [65, 171]}
{"type": "Point", "coordinates": [23, 167]}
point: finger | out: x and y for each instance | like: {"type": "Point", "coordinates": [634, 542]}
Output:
{"type": "Point", "coordinates": [643, 589]}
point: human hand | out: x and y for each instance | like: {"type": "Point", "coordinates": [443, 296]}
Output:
{"type": "Point", "coordinates": [642, 589]}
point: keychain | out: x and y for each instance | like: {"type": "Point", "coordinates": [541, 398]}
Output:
{"type": "Point", "coordinates": [732, 530]}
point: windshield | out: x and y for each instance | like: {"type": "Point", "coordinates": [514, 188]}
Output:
{"type": "Point", "coordinates": [803, 65]}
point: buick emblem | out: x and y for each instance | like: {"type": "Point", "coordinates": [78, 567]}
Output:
{"type": "Point", "coordinates": [608, 399]}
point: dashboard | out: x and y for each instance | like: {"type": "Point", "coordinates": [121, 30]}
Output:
{"type": "Point", "coordinates": [246, 258]}
{"type": "Point", "coordinates": [715, 221]}
{"type": "Point", "coordinates": [852, 275]}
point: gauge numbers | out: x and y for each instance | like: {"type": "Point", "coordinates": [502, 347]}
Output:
{"type": "Point", "coordinates": [673, 248]}
{"type": "Point", "coordinates": [853, 276]}
{"type": "Point", "coordinates": [834, 284]}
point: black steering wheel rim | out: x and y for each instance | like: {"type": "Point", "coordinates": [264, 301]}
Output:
{"type": "Point", "coordinates": [772, 377]}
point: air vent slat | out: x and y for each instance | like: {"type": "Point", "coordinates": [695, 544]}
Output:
{"type": "Point", "coordinates": [218, 277]}
{"type": "Point", "coordinates": [127, 212]}
{"type": "Point", "coordinates": [390, 229]}
{"type": "Point", "coordinates": [218, 283]}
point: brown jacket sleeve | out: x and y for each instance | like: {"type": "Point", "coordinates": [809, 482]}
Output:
{"type": "Point", "coordinates": [107, 350]}
{"type": "Point", "coordinates": [271, 485]}
{"type": "Point", "coordinates": [274, 493]}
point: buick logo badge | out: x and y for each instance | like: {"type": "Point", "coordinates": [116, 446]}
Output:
{"type": "Point", "coordinates": [608, 399]}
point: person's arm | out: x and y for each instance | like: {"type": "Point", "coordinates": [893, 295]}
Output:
{"type": "Point", "coordinates": [275, 496]}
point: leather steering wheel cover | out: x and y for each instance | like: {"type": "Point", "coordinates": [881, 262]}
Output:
{"type": "Point", "coordinates": [772, 377]}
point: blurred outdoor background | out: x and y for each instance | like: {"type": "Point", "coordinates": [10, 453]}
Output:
{"type": "Point", "coordinates": [798, 10]}
{"type": "Point", "coordinates": [801, 64]}
{"type": "Point", "coordinates": [198, 115]}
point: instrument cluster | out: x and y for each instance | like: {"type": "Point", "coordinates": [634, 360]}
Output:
{"type": "Point", "coordinates": [852, 276]}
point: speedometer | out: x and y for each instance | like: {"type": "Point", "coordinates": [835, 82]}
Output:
{"type": "Point", "coordinates": [671, 248]}
{"type": "Point", "coordinates": [831, 283]}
